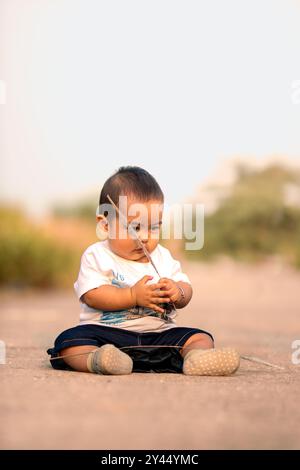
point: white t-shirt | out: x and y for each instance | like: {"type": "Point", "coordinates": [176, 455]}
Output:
{"type": "Point", "coordinates": [100, 266]}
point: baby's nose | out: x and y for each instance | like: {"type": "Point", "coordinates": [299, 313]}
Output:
{"type": "Point", "coordinates": [144, 236]}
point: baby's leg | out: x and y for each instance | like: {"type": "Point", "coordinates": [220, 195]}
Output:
{"type": "Point", "coordinates": [93, 348]}
{"type": "Point", "coordinates": [197, 341]}
{"type": "Point", "coordinates": [78, 363]}
{"type": "Point", "coordinates": [107, 359]}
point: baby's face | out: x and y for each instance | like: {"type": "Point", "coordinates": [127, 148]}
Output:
{"type": "Point", "coordinates": [145, 219]}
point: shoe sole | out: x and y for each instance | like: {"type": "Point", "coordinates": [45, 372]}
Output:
{"type": "Point", "coordinates": [109, 360]}
{"type": "Point", "coordinates": [223, 361]}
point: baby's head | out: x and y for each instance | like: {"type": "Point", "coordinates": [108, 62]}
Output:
{"type": "Point", "coordinates": [140, 200]}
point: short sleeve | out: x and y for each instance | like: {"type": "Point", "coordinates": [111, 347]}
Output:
{"type": "Point", "coordinates": [90, 275]}
{"type": "Point", "coordinates": [177, 274]}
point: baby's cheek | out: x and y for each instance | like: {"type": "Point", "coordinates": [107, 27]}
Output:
{"type": "Point", "coordinates": [152, 243]}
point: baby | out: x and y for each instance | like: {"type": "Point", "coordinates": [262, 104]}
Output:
{"type": "Point", "coordinates": [129, 301]}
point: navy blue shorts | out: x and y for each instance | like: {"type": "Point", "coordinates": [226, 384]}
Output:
{"type": "Point", "coordinates": [148, 358]}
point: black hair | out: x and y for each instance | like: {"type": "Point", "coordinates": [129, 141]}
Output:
{"type": "Point", "coordinates": [131, 181]}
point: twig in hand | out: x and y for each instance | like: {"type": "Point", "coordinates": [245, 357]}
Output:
{"type": "Point", "coordinates": [141, 244]}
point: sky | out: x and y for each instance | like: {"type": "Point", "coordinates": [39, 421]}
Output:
{"type": "Point", "coordinates": [173, 86]}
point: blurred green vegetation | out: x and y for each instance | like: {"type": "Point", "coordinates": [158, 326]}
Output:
{"type": "Point", "coordinates": [256, 219]}
{"type": "Point", "coordinates": [28, 257]}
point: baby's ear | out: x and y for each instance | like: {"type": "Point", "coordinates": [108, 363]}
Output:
{"type": "Point", "coordinates": [102, 220]}
{"type": "Point", "coordinates": [102, 227]}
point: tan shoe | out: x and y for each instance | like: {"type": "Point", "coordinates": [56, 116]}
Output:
{"type": "Point", "coordinates": [223, 361]}
{"type": "Point", "coordinates": [109, 360]}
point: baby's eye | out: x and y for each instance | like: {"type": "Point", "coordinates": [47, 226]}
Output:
{"type": "Point", "coordinates": [155, 228]}
{"type": "Point", "coordinates": [136, 227]}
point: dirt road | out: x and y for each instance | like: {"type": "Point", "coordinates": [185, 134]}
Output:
{"type": "Point", "coordinates": [256, 309]}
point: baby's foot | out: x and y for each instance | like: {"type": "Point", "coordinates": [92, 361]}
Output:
{"type": "Point", "coordinates": [223, 361]}
{"type": "Point", "coordinates": [109, 360]}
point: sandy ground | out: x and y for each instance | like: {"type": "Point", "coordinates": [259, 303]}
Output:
{"type": "Point", "coordinates": [256, 309]}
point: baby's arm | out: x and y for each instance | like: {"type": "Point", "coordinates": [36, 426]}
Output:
{"type": "Point", "coordinates": [188, 293]}
{"type": "Point", "coordinates": [108, 298]}
{"type": "Point", "coordinates": [115, 298]}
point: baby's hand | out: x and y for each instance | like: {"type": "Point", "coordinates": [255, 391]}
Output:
{"type": "Point", "coordinates": [170, 288]}
{"type": "Point", "coordinates": [149, 295]}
